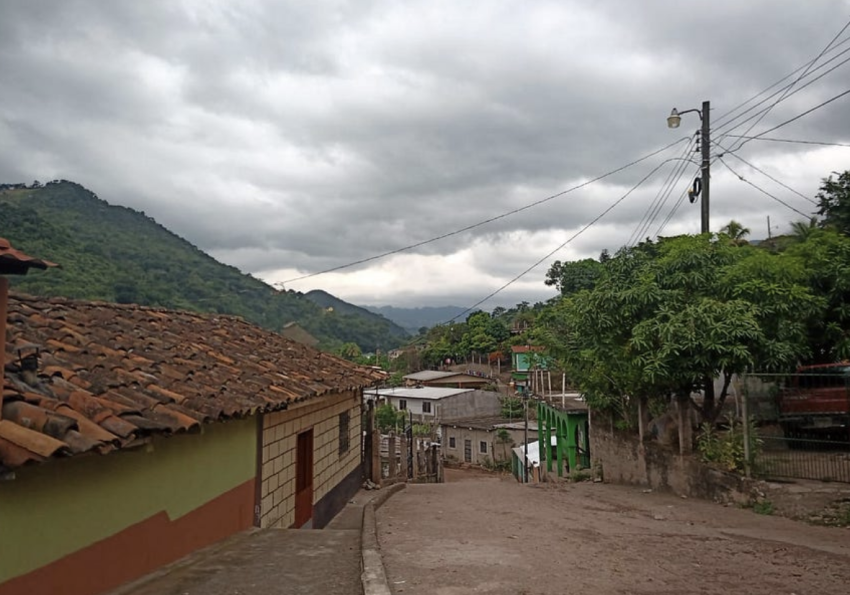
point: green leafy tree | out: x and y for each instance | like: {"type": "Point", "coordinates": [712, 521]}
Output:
{"type": "Point", "coordinates": [571, 277]}
{"type": "Point", "coordinates": [389, 418]}
{"type": "Point", "coordinates": [834, 202]}
{"type": "Point", "coordinates": [668, 318]}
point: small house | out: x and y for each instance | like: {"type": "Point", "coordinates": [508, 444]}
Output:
{"type": "Point", "coordinates": [484, 440]}
{"type": "Point", "coordinates": [131, 436]}
{"type": "Point", "coordinates": [446, 379]}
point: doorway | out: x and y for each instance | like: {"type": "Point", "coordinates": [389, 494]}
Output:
{"type": "Point", "coordinates": [304, 480]}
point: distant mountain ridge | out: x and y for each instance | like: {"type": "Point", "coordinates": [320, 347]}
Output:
{"type": "Point", "coordinates": [326, 300]}
{"type": "Point", "coordinates": [412, 319]}
{"type": "Point", "coordinates": [117, 254]}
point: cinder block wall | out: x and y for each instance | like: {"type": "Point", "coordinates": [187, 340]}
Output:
{"type": "Point", "coordinates": [330, 467]}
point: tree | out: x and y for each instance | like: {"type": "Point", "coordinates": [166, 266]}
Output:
{"type": "Point", "coordinates": [571, 277]}
{"type": "Point", "coordinates": [389, 418]}
{"type": "Point", "coordinates": [736, 232]}
{"type": "Point", "coordinates": [803, 230]}
{"type": "Point", "coordinates": [503, 437]}
{"type": "Point", "coordinates": [834, 203]}
{"type": "Point", "coordinates": [667, 319]}
{"type": "Point", "coordinates": [350, 351]}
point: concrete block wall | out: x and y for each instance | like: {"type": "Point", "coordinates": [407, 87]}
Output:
{"type": "Point", "coordinates": [330, 467]}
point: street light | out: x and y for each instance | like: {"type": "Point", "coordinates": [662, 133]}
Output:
{"type": "Point", "coordinates": [673, 121]}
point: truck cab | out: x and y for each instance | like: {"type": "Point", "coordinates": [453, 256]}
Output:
{"type": "Point", "coordinates": [815, 403]}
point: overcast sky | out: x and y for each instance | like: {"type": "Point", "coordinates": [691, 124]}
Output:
{"type": "Point", "coordinates": [287, 138]}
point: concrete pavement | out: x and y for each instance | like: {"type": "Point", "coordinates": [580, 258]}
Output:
{"type": "Point", "coordinates": [277, 561]}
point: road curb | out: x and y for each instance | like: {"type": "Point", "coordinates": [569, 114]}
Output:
{"type": "Point", "coordinates": [373, 576]}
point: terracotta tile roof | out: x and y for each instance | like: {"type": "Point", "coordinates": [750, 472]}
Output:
{"type": "Point", "coordinates": [15, 262]}
{"type": "Point", "coordinates": [527, 348]}
{"type": "Point", "coordinates": [110, 375]}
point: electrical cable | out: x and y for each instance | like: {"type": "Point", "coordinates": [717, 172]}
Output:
{"type": "Point", "coordinates": [762, 190]}
{"type": "Point", "coordinates": [720, 119]}
{"type": "Point", "coordinates": [672, 212]}
{"type": "Point", "coordinates": [570, 239]}
{"type": "Point", "coordinates": [790, 140]}
{"type": "Point", "coordinates": [762, 172]}
{"type": "Point", "coordinates": [486, 221]}
{"type": "Point", "coordinates": [720, 127]}
{"type": "Point", "coordinates": [798, 116]}
{"type": "Point", "coordinates": [722, 122]}
{"type": "Point", "coordinates": [789, 87]}
{"type": "Point", "coordinates": [661, 196]}
{"type": "Point", "coordinates": [666, 196]}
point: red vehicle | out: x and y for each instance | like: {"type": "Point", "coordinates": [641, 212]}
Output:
{"type": "Point", "coordinates": [816, 403]}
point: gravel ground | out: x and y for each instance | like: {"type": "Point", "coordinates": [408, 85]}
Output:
{"type": "Point", "coordinates": [488, 534]}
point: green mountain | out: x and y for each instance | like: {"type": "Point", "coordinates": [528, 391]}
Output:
{"type": "Point", "coordinates": [326, 300]}
{"type": "Point", "coordinates": [116, 254]}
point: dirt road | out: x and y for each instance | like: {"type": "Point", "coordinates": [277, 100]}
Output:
{"type": "Point", "coordinates": [485, 534]}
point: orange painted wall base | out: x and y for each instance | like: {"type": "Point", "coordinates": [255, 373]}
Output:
{"type": "Point", "coordinates": [140, 549]}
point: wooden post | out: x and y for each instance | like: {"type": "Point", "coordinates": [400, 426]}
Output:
{"type": "Point", "coordinates": [376, 456]}
{"type": "Point", "coordinates": [404, 450]}
{"type": "Point", "coordinates": [393, 470]}
{"type": "Point", "coordinates": [683, 404]}
{"type": "Point", "coordinates": [643, 418]}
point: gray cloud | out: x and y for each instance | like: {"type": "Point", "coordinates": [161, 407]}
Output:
{"type": "Point", "coordinates": [299, 136]}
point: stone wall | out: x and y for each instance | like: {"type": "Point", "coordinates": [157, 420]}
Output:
{"type": "Point", "coordinates": [623, 459]}
{"type": "Point", "coordinates": [331, 468]}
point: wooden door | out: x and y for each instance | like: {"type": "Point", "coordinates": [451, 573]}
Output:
{"type": "Point", "coordinates": [304, 479]}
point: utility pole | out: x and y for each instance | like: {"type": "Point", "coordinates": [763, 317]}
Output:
{"type": "Point", "coordinates": [705, 137]}
{"type": "Point", "coordinates": [673, 121]}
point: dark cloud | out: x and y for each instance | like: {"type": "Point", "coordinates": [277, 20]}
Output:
{"type": "Point", "coordinates": [290, 137]}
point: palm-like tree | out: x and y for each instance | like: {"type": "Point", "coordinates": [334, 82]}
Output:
{"type": "Point", "coordinates": [803, 230]}
{"type": "Point", "coordinates": [736, 232]}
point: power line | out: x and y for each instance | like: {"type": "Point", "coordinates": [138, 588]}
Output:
{"type": "Point", "coordinates": [486, 221]}
{"type": "Point", "coordinates": [805, 113]}
{"type": "Point", "coordinates": [790, 140]}
{"type": "Point", "coordinates": [661, 196]}
{"type": "Point", "coordinates": [721, 123]}
{"type": "Point", "coordinates": [672, 212]}
{"type": "Point", "coordinates": [797, 80]}
{"type": "Point", "coordinates": [762, 190]}
{"type": "Point", "coordinates": [808, 83]}
{"type": "Point", "coordinates": [720, 118]}
{"type": "Point", "coordinates": [764, 173]}
{"type": "Point", "coordinates": [570, 239]}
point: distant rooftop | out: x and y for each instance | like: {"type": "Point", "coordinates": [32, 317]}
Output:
{"type": "Point", "coordinates": [491, 422]}
{"type": "Point", "coordinates": [427, 375]}
{"type": "Point", "coordinates": [431, 393]}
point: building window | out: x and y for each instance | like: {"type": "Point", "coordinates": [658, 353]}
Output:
{"type": "Point", "coordinates": [426, 407]}
{"type": "Point", "coordinates": [482, 447]}
{"type": "Point", "coordinates": [402, 404]}
{"type": "Point", "coordinates": [452, 443]}
{"type": "Point", "coordinates": [344, 432]}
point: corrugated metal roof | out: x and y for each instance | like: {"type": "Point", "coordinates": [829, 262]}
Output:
{"type": "Point", "coordinates": [111, 374]}
{"type": "Point", "coordinates": [426, 375]}
{"type": "Point", "coordinates": [15, 262]}
{"type": "Point", "coordinates": [429, 393]}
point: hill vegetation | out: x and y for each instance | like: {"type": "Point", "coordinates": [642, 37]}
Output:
{"type": "Point", "coordinates": [117, 254]}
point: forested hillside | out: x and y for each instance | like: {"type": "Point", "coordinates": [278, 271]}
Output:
{"type": "Point", "coordinates": [116, 254]}
{"type": "Point", "coordinates": [326, 300]}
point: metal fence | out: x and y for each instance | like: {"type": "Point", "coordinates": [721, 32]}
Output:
{"type": "Point", "coordinates": [801, 422]}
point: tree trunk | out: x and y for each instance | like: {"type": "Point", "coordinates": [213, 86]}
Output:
{"type": "Point", "coordinates": [683, 406]}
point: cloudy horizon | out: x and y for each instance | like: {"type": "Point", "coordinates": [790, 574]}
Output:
{"type": "Point", "coordinates": [286, 138]}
